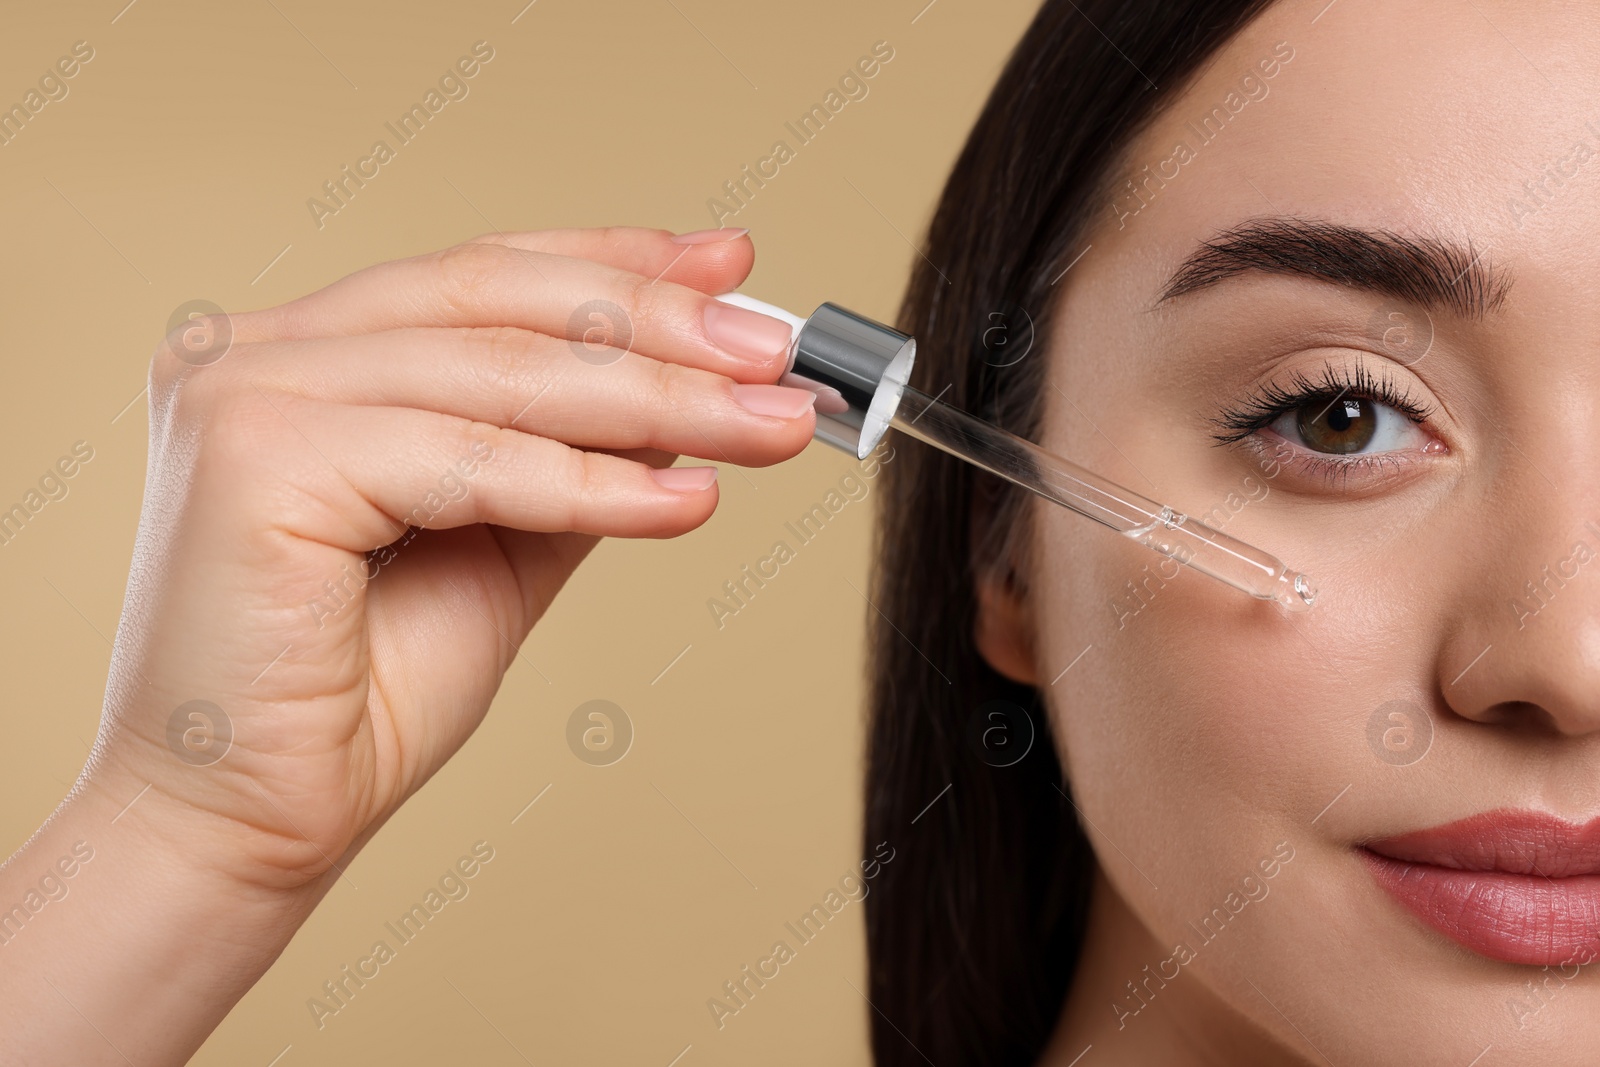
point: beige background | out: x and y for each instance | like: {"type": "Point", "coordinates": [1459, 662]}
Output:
{"type": "Point", "coordinates": [179, 166]}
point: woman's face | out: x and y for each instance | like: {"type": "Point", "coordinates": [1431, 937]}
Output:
{"type": "Point", "coordinates": [1441, 485]}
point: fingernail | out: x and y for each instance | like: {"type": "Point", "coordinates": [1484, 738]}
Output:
{"type": "Point", "coordinates": [828, 400]}
{"type": "Point", "coordinates": [745, 333]}
{"type": "Point", "coordinates": [710, 237]}
{"type": "Point", "coordinates": [685, 479]}
{"type": "Point", "coordinates": [779, 400]}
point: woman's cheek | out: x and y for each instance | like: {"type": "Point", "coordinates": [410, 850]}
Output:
{"type": "Point", "coordinates": [1200, 727]}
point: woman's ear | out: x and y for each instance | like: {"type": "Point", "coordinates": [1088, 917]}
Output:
{"type": "Point", "coordinates": [1003, 629]}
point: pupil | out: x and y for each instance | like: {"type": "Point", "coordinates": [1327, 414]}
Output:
{"type": "Point", "coordinates": [1345, 425]}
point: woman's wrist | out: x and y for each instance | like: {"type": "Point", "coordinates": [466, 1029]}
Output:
{"type": "Point", "coordinates": [125, 925]}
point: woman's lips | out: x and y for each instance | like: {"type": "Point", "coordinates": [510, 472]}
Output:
{"type": "Point", "coordinates": [1518, 886]}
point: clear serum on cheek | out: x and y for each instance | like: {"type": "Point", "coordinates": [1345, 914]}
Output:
{"type": "Point", "coordinates": [859, 369]}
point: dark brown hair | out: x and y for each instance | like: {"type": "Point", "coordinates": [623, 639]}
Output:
{"type": "Point", "coordinates": [975, 928]}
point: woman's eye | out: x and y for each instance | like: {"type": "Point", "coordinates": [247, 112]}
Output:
{"type": "Point", "coordinates": [1349, 425]}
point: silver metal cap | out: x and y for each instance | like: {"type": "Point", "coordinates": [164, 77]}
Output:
{"type": "Point", "coordinates": [857, 367]}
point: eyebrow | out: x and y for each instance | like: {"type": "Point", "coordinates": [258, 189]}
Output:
{"type": "Point", "coordinates": [1434, 273]}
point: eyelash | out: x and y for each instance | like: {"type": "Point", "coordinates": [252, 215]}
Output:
{"type": "Point", "coordinates": [1273, 401]}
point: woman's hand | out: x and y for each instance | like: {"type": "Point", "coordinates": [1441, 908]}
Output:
{"type": "Point", "coordinates": [471, 392]}
{"type": "Point", "coordinates": [294, 658]}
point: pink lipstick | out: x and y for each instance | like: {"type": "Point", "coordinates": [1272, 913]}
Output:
{"type": "Point", "coordinates": [1517, 886]}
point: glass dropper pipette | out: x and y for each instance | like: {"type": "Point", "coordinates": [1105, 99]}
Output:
{"type": "Point", "coordinates": [1157, 526]}
{"type": "Point", "coordinates": [859, 369]}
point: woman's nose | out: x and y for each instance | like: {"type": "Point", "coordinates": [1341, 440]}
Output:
{"type": "Point", "coordinates": [1527, 645]}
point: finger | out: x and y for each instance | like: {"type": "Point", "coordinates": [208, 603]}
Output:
{"type": "Point", "coordinates": [653, 457]}
{"type": "Point", "coordinates": [530, 382]}
{"type": "Point", "coordinates": [362, 475]}
{"type": "Point", "coordinates": [712, 261]}
{"type": "Point", "coordinates": [488, 284]}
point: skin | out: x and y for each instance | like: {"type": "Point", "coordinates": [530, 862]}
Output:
{"type": "Point", "coordinates": [1210, 727]}
{"type": "Point", "coordinates": [275, 468]}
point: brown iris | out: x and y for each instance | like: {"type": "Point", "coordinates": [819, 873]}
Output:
{"type": "Point", "coordinates": [1347, 424]}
